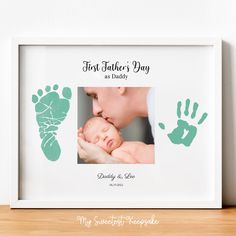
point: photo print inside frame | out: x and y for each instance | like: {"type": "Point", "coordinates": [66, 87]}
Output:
{"type": "Point", "coordinates": [151, 111]}
{"type": "Point", "coordinates": [106, 119]}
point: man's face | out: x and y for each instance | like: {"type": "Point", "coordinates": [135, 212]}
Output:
{"type": "Point", "coordinates": [100, 132]}
{"type": "Point", "coordinates": [109, 103]}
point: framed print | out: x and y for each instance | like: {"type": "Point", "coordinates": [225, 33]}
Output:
{"type": "Point", "coordinates": [116, 123]}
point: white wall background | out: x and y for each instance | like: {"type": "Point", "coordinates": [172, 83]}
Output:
{"type": "Point", "coordinates": [106, 18]}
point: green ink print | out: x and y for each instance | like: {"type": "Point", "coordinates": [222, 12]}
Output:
{"type": "Point", "coordinates": [161, 125]}
{"type": "Point", "coordinates": [51, 110]}
{"type": "Point", "coordinates": [204, 116]}
{"type": "Point", "coordinates": [55, 87]}
{"type": "Point", "coordinates": [195, 107]}
{"type": "Point", "coordinates": [185, 133]}
{"type": "Point", "coordinates": [179, 104]}
{"type": "Point", "coordinates": [34, 98]}
{"type": "Point", "coordinates": [48, 88]}
{"type": "Point", "coordinates": [186, 112]}
{"type": "Point", "coordinates": [40, 92]}
{"type": "Point", "coordinates": [66, 92]}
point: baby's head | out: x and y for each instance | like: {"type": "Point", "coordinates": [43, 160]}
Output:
{"type": "Point", "coordinates": [102, 133]}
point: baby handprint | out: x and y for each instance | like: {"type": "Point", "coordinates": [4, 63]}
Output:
{"type": "Point", "coordinates": [185, 132]}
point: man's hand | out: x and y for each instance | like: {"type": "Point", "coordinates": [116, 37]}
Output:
{"type": "Point", "coordinates": [90, 153]}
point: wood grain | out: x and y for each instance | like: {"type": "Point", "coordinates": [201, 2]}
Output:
{"type": "Point", "coordinates": [67, 222]}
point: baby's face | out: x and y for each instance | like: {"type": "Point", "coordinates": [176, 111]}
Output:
{"type": "Point", "coordinates": [100, 132]}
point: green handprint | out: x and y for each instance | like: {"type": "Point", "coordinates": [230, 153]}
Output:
{"type": "Point", "coordinates": [185, 133]}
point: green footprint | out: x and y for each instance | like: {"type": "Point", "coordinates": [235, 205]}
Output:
{"type": "Point", "coordinates": [51, 110]}
{"type": "Point", "coordinates": [185, 133]}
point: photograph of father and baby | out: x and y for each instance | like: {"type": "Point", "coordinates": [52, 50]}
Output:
{"type": "Point", "coordinates": [116, 125]}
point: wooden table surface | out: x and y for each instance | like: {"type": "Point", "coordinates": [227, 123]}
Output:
{"type": "Point", "coordinates": [96, 222]}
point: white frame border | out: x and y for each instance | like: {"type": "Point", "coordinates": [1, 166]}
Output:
{"type": "Point", "coordinates": [15, 202]}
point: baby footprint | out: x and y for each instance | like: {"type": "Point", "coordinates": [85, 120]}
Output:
{"type": "Point", "coordinates": [51, 110]}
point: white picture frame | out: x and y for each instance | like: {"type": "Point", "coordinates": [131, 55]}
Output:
{"type": "Point", "coordinates": [215, 98]}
